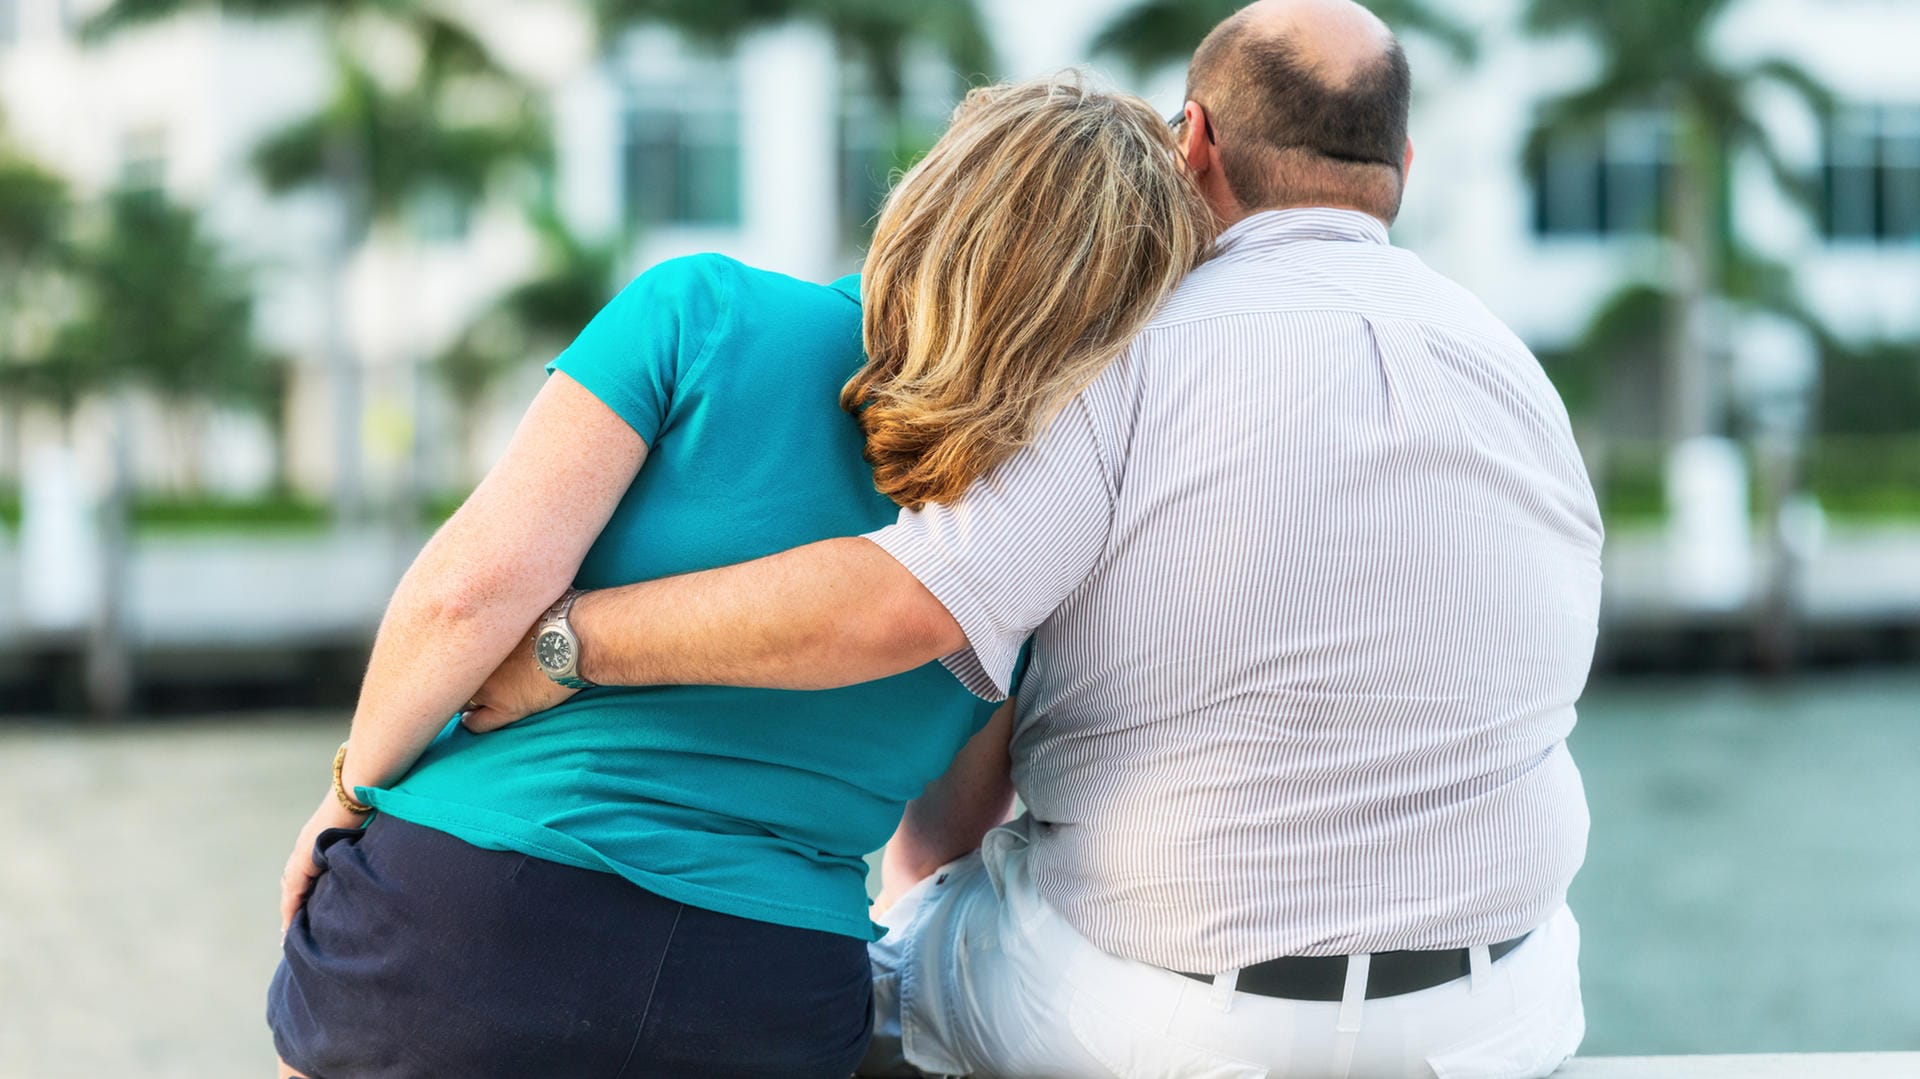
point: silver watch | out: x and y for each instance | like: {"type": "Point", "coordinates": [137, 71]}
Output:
{"type": "Point", "coordinates": [555, 647]}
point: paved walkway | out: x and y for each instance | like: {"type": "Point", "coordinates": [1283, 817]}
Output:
{"type": "Point", "coordinates": [139, 883]}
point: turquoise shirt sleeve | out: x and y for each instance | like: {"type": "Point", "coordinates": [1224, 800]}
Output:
{"type": "Point", "coordinates": [651, 339]}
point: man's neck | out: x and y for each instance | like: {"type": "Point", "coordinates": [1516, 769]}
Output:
{"type": "Point", "coordinates": [1240, 214]}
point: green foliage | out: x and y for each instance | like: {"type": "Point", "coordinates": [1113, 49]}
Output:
{"type": "Point", "coordinates": [447, 127]}
{"type": "Point", "coordinates": [439, 508]}
{"type": "Point", "coordinates": [1855, 479]}
{"type": "Point", "coordinates": [9, 509]}
{"type": "Point", "coordinates": [274, 513]}
{"type": "Point", "coordinates": [124, 15]}
{"type": "Point", "coordinates": [538, 316]}
{"type": "Point", "coordinates": [33, 205]}
{"type": "Point", "coordinates": [162, 308]}
{"type": "Point", "coordinates": [1622, 339]}
{"type": "Point", "coordinates": [880, 32]}
{"type": "Point", "coordinates": [384, 148]}
{"type": "Point", "coordinates": [1660, 55]}
{"type": "Point", "coordinates": [436, 121]}
{"type": "Point", "coordinates": [1632, 486]}
{"type": "Point", "coordinates": [1866, 477]}
{"type": "Point", "coordinates": [1156, 33]}
{"type": "Point", "coordinates": [1871, 390]}
{"type": "Point", "coordinates": [35, 263]}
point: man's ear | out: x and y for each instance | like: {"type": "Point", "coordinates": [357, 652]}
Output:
{"type": "Point", "coordinates": [1406, 163]}
{"type": "Point", "coordinates": [1194, 145]}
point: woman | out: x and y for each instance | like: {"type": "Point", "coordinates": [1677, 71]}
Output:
{"type": "Point", "coordinates": [621, 885]}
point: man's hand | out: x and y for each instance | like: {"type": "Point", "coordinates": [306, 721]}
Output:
{"type": "Point", "coordinates": [515, 690]}
{"type": "Point", "coordinates": [296, 881]}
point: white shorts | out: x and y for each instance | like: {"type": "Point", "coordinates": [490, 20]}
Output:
{"type": "Point", "coordinates": [977, 976]}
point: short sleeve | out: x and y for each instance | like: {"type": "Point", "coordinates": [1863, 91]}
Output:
{"type": "Point", "coordinates": [649, 338]}
{"type": "Point", "coordinates": [1013, 548]}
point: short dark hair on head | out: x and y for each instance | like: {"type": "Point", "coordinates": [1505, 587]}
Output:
{"type": "Point", "coordinates": [1287, 137]}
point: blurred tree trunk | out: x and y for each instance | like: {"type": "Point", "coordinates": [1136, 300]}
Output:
{"type": "Point", "coordinates": [1693, 378]}
{"type": "Point", "coordinates": [1777, 629]}
{"type": "Point", "coordinates": [109, 663]}
{"type": "Point", "coordinates": [342, 363]}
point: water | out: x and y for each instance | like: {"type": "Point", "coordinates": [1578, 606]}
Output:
{"type": "Point", "coordinates": [1753, 875]}
{"type": "Point", "coordinates": [1752, 884]}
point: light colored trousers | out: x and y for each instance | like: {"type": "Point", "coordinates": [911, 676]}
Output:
{"type": "Point", "coordinates": [977, 976]}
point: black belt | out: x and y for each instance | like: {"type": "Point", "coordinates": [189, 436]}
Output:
{"type": "Point", "coordinates": [1324, 977]}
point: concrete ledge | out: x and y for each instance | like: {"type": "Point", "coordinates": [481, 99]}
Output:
{"type": "Point", "coordinates": [1757, 1066]}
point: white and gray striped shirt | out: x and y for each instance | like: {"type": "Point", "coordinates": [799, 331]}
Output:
{"type": "Point", "coordinates": [1313, 575]}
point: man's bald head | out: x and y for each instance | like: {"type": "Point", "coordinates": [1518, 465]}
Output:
{"type": "Point", "coordinates": [1308, 101]}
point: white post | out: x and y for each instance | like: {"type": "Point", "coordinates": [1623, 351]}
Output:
{"type": "Point", "coordinates": [1709, 535]}
{"type": "Point", "coordinates": [59, 545]}
{"type": "Point", "coordinates": [586, 126]}
{"type": "Point", "coordinates": [790, 101]}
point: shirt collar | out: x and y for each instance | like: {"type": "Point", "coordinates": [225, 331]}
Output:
{"type": "Point", "coordinates": [848, 286]}
{"type": "Point", "coordinates": [1271, 227]}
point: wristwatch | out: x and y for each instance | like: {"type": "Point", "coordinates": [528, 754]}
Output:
{"type": "Point", "coordinates": [555, 648]}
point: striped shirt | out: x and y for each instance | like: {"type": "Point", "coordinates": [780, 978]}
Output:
{"type": "Point", "coordinates": [1312, 575]}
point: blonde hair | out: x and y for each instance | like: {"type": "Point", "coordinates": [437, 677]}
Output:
{"type": "Point", "coordinates": [1008, 268]}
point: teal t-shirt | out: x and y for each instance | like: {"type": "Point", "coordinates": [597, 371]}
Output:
{"type": "Point", "coordinates": [756, 803]}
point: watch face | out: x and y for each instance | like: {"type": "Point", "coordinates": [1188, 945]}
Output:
{"type": "Point", "coordinates": [553, 651]}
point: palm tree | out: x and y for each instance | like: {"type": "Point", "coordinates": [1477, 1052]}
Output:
{"type": "Point", "coordinates": [32, 206]}
{"type": "Point", "coordinates": [34, 211]}
{"type": "Point", "coordinates": [1660, 56]}
{"type": "Point", "coordinates": [161, 309]}
{"type": "Point", "coordinates": [164, 309]}
{"type": "Point", "coordinates": [1155, 33]}
{"type": "Point", "coordinates": [380, 148]}
{"type": "Point", "coordinates": [880, 33]}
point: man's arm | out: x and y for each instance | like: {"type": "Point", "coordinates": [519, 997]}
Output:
{"type": "Point", "coordinates": [826, 615]}
{"type": "Point", "coordinates": [966, 583]}
{"type": "Point", "coordinates": [830, 614]}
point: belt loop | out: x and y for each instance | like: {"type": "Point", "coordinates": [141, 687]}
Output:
{"type": "Point", "coordinates": [1479, 968]}
{"type": "Point", "coordinates": [1353, 1000]}
{"type": "Point", "coordinates": [1221, 999]}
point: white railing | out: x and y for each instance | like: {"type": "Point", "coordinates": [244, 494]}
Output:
{"type": "Point", "coordinates": [1756, 1066]}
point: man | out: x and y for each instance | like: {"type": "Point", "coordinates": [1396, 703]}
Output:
{"type": "Point", "coordinates": [1311, 577]}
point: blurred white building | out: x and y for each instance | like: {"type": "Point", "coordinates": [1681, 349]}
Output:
{"type": "Point", "coordinates": [775, 153]}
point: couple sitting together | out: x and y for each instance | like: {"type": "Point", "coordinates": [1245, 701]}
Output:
{"type": "Point", "coordinates": [1138, 475]}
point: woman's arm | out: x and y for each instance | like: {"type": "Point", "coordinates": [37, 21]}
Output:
{"type": "Point", "coordinates": [489, 572]}
{"type": "Point", "coordinates": [485, 576]}
{"type": "Point", "coordinates": [954, 812]}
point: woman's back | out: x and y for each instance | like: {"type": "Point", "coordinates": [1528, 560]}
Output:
{"type": "Point", "coordinates": [758, 803]}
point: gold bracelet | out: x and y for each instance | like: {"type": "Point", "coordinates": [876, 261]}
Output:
{"type": "Point", "coordinates": [340, 787]}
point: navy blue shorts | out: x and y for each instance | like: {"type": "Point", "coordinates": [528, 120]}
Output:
{"type": "Point", "coordinates": [420, 955]}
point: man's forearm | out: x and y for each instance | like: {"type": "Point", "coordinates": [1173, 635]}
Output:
{"type": "Point", "coordinates": [829, 614]}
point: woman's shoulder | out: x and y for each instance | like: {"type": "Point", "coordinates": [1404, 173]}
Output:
{"type": "Point", "coordinates": [711, 278]}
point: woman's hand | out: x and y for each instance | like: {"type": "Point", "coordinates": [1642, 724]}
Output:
{"type": "Point", "coordinates": [296, 881]}
{"type": "Point", "coordinates": [515, 690]}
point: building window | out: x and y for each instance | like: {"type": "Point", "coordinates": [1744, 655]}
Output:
{"type": "Point", "coordinates": [1872, 174]}
{"type": "Point", "coordinates": [680, 160]}
{"type": "Point", "coordinates": [878, 142]}
{"type": "Point", "coordinates": [1610, 183]}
